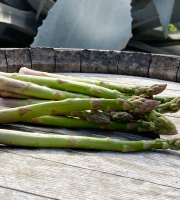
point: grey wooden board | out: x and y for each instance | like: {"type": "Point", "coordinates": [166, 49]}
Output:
{"type": "Point", "coordinates": [135, 64]}
{"type": "Point", "coordinates": [99, 61]}
{"type": "Point", "coordinates": [3, 63]}
{"type": "Point", "coordinates": [43, 59]}
{"type": "Point", "coordinates": [92, 61]}
{"type": "Point", "coordinates": [17, 58]}
{"type": "Point", "coordinates": [67, 60]}
{"type": "Point", "coordinates": [84, 174]}
{"type": "Point", "coordinates": [164, 67]}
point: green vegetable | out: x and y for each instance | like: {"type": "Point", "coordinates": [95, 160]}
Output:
{"type": "Point", "coordinates": [60, 107]}
{"type": "Point", "coordinates": [30, 89]}
{"type": "Point", "coordinates": [138, 126]}
{"type": "Point", "coordinates": [25, 139]}
{"type": "Point", "coordinates": [131, 90]}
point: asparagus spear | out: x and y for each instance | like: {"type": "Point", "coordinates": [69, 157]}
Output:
{"type": "Point", "coordinates": [13, 103]}
{"type": "Point", "coordinates": [138, 126]}
{"type": "Point", "coordinates": [136, 90]}
{"type": "Point", "coordinates": [6, 94]}
{"type": "Point", "coordinates": [89, 115]}
{"type": "Point", "coordinates": [121, 116]}
{"type": "Point", "coordinates": [171, 106]}
{"type": "Point", "coordinates": [68, 85]}
{"type": "Point", "coordinates": [97, 117]}
{"type": "Point", "coordinates": [100, 117]}
{"type": "Point", "coordinates": [165, 125]}
{"type": "Point", "coordinates": [92, 120]}
{"type": "Point", "coordinates": [163, 99]}
{"type": "Point", "coordinates": [60, 107]}
{"type": "Point", "coordinates": [30, 89]}
{"type": "Point", "coordinates": [18, 138]}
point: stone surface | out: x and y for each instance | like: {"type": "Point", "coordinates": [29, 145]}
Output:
{"type": "Point", "coordinates": [134, 64]}
{"type": "Point", "coordinates": [17, 58]}
{"type": "Point", "coordinates": [3, 63]}
{"type": "Point", "coordinates": [43, 59]}
{"type": "Point", "coordinates": [67, 60]}
{"type": "Point", "coordinates": [164, 67]}
{"type": "Point", "coordinates": [94, 61]}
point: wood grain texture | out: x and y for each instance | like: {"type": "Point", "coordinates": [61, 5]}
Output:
{"type": "Point", "coordinates": [178, 75]}
{"type": "Point", "coordinates": [11, 194]}
{"type": "Point", "coordinates": [94, 61]}
{"type": "Point", "coordinates": [61, 181]}
{"type": "Point", "coordinates": [67, 60]}
{"type": "Point", "coordinates": [43, 59]}
{"type": "Point", "coordinates": [164, 67]}
{"type": "Point", "coordinates": [3, 62]}
{"type": "Point", "coordinates": [134, 64]}
{"type": "Point", "coordinates": [17, 58]}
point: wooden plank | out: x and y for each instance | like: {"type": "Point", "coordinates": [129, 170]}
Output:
{"type": "Point", "coordinates": [133, 63]}
{"type": "Point", "coordinates": [67, 60]}
{"type": "Point", "coordinates": [17, 58]}
{"type": "Point", "coordinates": [94, 61]}
{"type": "Point", "coordinates": [56, 180]}
{"type": "Point", "coordinates": [9, 193]}
{"type": "Point", "coordinates": [178, 75]}
{"type": "Point", "coordinates": [3, 62]}
{"type": "Point", "coordinates": [43, 59]}
{"type": "Point", "coordinates": [164, 67]}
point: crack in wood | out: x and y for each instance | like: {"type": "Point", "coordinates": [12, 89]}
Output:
{"type": "Point", "coordinates": [22, 191]}
{"type": "Point", "coordinates": [90, 169]}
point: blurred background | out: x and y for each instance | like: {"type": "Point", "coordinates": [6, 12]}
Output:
{"type": "Point", "coordinates": [150, 26]}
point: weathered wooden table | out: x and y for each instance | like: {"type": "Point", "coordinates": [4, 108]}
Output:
{"type": "Point", "coordinates": [36, 173]}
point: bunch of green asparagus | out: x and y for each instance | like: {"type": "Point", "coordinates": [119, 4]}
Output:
{"type": "Point", "coordinates": [50, 99]}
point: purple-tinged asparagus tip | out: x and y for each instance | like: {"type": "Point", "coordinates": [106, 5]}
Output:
{"type": "Point", "coordinates": [156, 89]}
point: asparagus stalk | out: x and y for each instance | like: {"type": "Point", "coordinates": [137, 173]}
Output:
{"type": "Point", "coordinates": [97, 117]}
{"type": "Point", "coordinates": [60, 107]}
{"type": "Point", "coordinates": [171, 106]}
{"type": "Point", "coordinates": [136, 90]}
{"type": "Point", "coordinates": [68, 85]}
{"type": "Point", "coordinates": [6, 94]}
{"type": "Point", "coordinates": [137, 126]}
{"type": "Point", "coordinates": [163, 99]}
{"type": "Point", "coordinates": [100, 117]}
{"type": "Point", "coordinates": [30, 89]}
{"type": "Point", "coordinates": [13, 103]}
{"type": "Point", "coordinates": [121, 116]}
{"type": "Point", "coordinates": [25, 139]}
{"type": "Point", "coordinates": [165, 125]}
{"type": "Point", "coordinates": [88, 120]}
{"type": "Point", "coordinates": [89, 115]}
